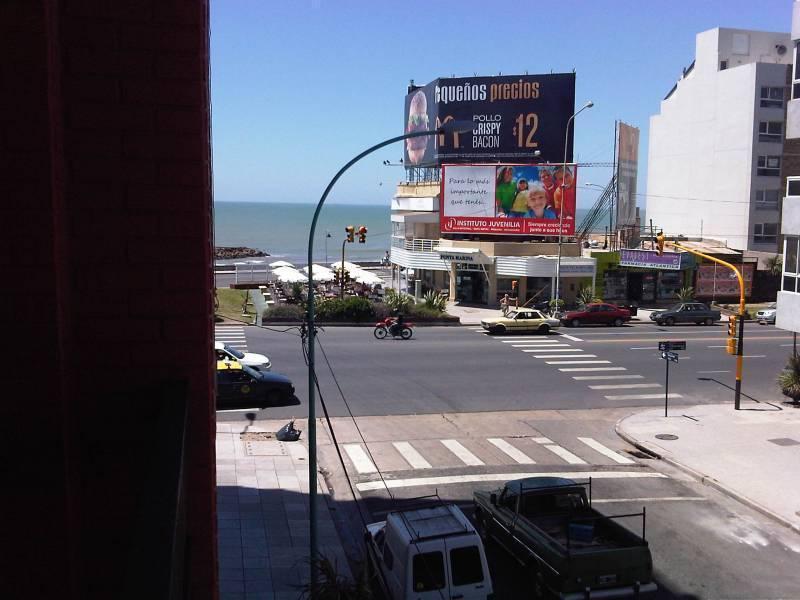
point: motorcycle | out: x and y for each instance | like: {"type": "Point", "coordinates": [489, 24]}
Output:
{"type": "Point", "coordinates": [389, 327]}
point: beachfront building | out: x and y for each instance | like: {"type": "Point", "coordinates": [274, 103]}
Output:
{"type": "Point", "coordinates": [715, 148]}
{"type": "Point", "coordinates": [475, 269]}
{"type": "Point", "coordinates": [788, 315]}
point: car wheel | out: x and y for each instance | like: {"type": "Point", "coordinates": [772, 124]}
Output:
{"type": "Point", "coordinates": [499, 329]}
{"type": "Point", "coordinates": [669, 321]}
{"type": "Point", "coordinates": [660, 323]}
{"type": "Point", "coordinates": [544, 329]}
{"type": "Point", "coordinates": [708, 321]}
{"type": "Point", "coordinates": [617, 322]}
{"type": "Point", "coordinates": [575, 323]}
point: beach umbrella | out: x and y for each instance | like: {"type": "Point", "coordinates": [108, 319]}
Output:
{"type": "Point", "coordinates": [289, 275]}
{"type": "Point", "coordinates": [321, 274]}
{"type": "Point", "coordinates": [365, 277]}
{"type": "Point", "coordinates": [280, 263]}
{"type": "Point", "coordinates": [347, 265]}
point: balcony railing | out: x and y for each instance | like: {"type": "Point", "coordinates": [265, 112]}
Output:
{"type": "Point", "coordinates": [415, 245]}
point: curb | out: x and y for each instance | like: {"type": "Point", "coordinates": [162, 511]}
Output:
{"type": "Point", "coordinates": [705, 479]}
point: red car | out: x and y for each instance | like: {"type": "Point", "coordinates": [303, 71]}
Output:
{"type": "Point", "coordinates": [597, 314]}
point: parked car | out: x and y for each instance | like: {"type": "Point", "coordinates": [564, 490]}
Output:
{"type": "Point", "coordinates": [249, 359]}
{"type": "Point", "coordinates": [767, 315]}
{"type": "Point", "coordinates": [521, 319]}
{"type": "Point", "coordinates": [686, 312]}
{"type": "Point", "coordinates": [239, 386]}
{"type": "Point", "coordinates": [548, 525]}
{"type": "Point", "coordinates": [599, 313]}
{"type": "Point", "coordinates": [428, 553]}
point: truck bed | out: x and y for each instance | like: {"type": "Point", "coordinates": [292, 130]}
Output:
{"type": "Point", "coordinates": [602, 534]}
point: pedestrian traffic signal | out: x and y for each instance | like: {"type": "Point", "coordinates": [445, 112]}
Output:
{"type": "Point", "coordinates": [731, 346]}
{"type": "Point", "coordinates": [660, 243]}
{"type": "Point", "coordinates": [350, 231]}
{"type": "Point", "coordinates": [362, 234]}
{"type": "Point", "coordinates": [732, 326]}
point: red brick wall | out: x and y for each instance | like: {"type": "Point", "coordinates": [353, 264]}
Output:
{"type": "Point", "coordinates": [106, 247]}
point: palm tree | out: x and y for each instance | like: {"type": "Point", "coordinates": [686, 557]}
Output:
{"type": "Point", "coordinates": [685, 294]}
{"type": "Point", "coordinates": [775, 264]}
{"type": "Point", "coordinates": [789, 379]}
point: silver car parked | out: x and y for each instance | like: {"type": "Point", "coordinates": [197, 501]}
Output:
{"type": "Point", "coordinates": [767, 315]}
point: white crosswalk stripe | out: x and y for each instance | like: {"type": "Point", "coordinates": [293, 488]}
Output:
{"type": "Point", "coordinates": [533, 340]}
{"type": "Point", "coordinates": [563, 356]}
{"type": "Point", "coordinates": [579, 362]}
{"type": "Point", "coordinates": [574, 369]}
{"type": "Point", "coordinates": [540, 345]}
{"type": "Point", "coordinates": [601, 377]}
{"type": "Point", "coordinates": [411, 456]}
{"type": "Point", "coordinates": [616, 457]}
{"type": "Point", "coordinates": [511, 451]}
{"type": "Point", "coordinates": [625, 386]}
{"type": "Point", "coordinates": [559, 451]}
{"type": "Point", "coordinates": [642, 397]}
{"type": "Point", "coordinates": [359, 458]}
{"type": "Point", "coordinates": [232, 335]}
{"type": "Point", "coordinates": [464, 455]}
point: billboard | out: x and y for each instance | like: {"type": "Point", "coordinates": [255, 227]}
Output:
{"type": "Point", "coordinates": [627, 170]}
{"type": "Point", "coordinates": [507, 199]}
{"type": "Point", "coordinates": [513, 117]}
{"type": "Point", "coordinates": [713, 281]}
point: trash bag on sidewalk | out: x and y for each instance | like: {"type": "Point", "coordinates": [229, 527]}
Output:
{"type": "Point", "coordinates": [288, 433]}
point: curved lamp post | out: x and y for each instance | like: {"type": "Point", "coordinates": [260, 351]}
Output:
{"type": "Point", "coordinates": [589, 104]}
{"type": "Point", "coordinates": [449, 127]}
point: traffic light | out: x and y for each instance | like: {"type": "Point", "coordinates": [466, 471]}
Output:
{"type": "Point", "coordinates": [514, 283]}
{"type": "Point", "coordinates": [660, 243]}
{"type": "Point", "coordinates": [732, 326]}
{"type": "Point", "coordinates": [362, 234]}
{"type": "Point", "coordinates": [350, 231]}
{"type": "Point", "coordinates": [731, 348]}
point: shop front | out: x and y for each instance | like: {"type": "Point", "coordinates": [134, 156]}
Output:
{"type": "Point", "coordinates": [643, 277]}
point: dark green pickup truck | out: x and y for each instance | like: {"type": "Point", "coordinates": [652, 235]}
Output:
{"type": "Point", "coordinates": [571, 550]}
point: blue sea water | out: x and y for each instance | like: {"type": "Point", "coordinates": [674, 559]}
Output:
{"type": "Point", "coordinates": [281, 229]}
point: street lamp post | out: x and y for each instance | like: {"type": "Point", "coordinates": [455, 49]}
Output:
{"type": "Point", "coordinates": [589, 104]}
{"type": "Point", "coordinates": [449, 127]}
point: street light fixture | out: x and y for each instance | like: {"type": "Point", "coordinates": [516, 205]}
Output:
{"type": "Point", "coordinates": [446, 128]}
{"type": "Point", "coordinates": [589, 104]}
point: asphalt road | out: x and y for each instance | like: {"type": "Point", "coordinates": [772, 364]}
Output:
{"type": "Point", "coordinates": [459, 369]}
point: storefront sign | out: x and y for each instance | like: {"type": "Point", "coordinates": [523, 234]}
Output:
{"type": "Point", "coordinates": [508, 199]}
{"type": "Point", "coordinates": [716, 281]}
{"type": "Point", "coordinates": [454, 255]}
{"type": "Point", "coordinates": [649, 259]}
{"type": "Point", "coordinates": [577, 269]}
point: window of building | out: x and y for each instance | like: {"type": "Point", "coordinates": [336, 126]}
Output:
{"type": "Point", "coordinates": [765, 233]}
{"type": "Point", "coordinates": [793, 186]}
{"type": "Point", "coordinates": [796, 75]}
{"type": "Point", "coordinates": [770, 131]}
{"type": "Point", "coordinates": [772, 97]}
{"type": "Point", "coordinates": [723, 64]}
{"type": "Point", "coordinates": [791, 249]}
{"type": "Point", "coordinates": [767, 199]}
{"type": "Point", "coordinates": [769, 165]}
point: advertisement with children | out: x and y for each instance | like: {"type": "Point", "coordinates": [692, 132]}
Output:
{"type": "Point", "coordinates": [508, 199]}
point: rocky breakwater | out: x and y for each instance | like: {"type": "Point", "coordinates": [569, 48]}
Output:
{"type": "Point", "coordinates": [229, 252]}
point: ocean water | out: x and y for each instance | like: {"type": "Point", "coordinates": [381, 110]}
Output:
{"type": "Point", "coordinates": [281, 229]}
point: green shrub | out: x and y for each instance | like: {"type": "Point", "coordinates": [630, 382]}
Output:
{"type": "Point", "coordinates": [789, 379]}
{"type": "Point", "coordinates": [424, 312]}
{"type": "Point", "coordinates": [435, 300]}
{"type": "Point", "coordinates": [285, 310]}
{"type": "Point", "coordinates": [397, 301]}
{"type": "Point", "coordinates": [351, 309]}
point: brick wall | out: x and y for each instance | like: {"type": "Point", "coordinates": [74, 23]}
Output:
{"type": "Point", "coordinates": [106, 247]}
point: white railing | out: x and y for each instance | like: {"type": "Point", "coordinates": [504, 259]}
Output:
{"type": "Point", "coordinates": [415, 245]}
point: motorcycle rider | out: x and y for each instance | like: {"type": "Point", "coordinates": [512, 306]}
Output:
{"type": "Point", "coordinates": [397, 326]}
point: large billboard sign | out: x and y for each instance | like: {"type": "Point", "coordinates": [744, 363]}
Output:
{"type": "Point", "coordinates": [512, 116]}
{"type": "Point", "coordinates": [627, 170]}
{"type": "Point", "coordinates": [712, 281]}
{"type": "Point", "coordinates": [507, 199]}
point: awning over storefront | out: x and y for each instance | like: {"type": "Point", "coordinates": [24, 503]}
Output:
{"type": "Point", "coordinates": [544, 266]}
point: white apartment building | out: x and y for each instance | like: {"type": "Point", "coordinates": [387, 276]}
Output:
{"type": "Point", "coordinates": [715, 148]}
{"type": "Point", "coordinates": [788, 315]}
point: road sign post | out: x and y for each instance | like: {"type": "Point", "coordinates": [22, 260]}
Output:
{"type": "Point", "coordinates": [668, 356]}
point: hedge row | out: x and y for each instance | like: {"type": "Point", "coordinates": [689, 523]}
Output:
{"type": "Point", "coordinates": [352, 310]}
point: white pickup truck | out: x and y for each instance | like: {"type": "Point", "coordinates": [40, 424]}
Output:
{"type": "Point", "coordinates": [428, 553]}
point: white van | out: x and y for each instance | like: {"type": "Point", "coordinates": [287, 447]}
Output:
{"type": "Point", "coordinates": [428, 553]}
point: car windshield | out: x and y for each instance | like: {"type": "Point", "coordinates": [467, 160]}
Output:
{"type": "Point", "coordinates": [512, 314]}
{"type": "Point", "coordinates": [675, 308]}
{"type": "Point", "coordinates": [234, 352]}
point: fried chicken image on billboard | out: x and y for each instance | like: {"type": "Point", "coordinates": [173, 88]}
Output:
{"type": "Point", "coordinates": [417, 121]}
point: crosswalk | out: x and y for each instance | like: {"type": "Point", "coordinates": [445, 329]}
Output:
{"type": "Point", "coordinates": [556, 350]}
{"type": "Point", "coordinates": [479, 452]}
{"type": "Point", "coordinates": [232, 335]}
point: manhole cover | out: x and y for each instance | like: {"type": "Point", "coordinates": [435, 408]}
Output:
{"type": "Point", "coordinates": [274, 448]}
{"type": "Point", "coordinates": [666, 436]}
{"type": "Point", "coordinates": [256, 436]}
{"type": "Point", "coordinates": [784, 442]}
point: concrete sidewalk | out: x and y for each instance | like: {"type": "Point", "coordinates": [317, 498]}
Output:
{"type": "Point", "coordinates": [752, 454]}
{"type": "Point", "coordinates": [262, 513]}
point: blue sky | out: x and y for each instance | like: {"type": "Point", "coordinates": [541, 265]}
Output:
{"type": "Point", "coordinates": [300, 87]}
